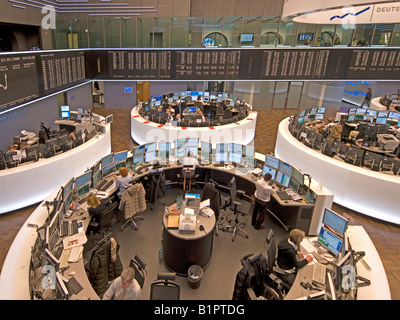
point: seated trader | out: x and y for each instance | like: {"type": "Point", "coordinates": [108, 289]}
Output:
{"type": "Point", "coordinates": [123, 181]}
{"type": "Point", "coordinates": [96, 206]}
{"type": "Point", "coordinates": [125, 287]}
{"type": "Point", "coordinates": [189, 160]}
{"type": "Point", "coordinates": [289, 257]}
{"type": "Point", "coordinates": [263, 196]}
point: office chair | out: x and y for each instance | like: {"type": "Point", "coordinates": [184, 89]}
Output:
{"type": "Point", "coordinates": [133, 201]}
{"type": "Point", "coordinates": [139, 265]}
{"type": "Point", "coordinates": [165, 287]}
{"type": "Point", "coordinates": [275, 272]}
{"type": "Point", "coordinates": [372, 161]}
{"type": "Point", "coordinates": [353, 135]}
{"type": "Point", "coordinates": [234, 205]}
{"type": "Point", "coordinates": [105, 218]}
{"type": "Point", "coordinates": [387, 164]}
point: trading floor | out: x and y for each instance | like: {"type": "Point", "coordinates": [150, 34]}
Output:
{"type": "Point", "coordinates": [384, 235]}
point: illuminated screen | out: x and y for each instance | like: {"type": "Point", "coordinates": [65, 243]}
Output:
{"type": "Point", "coordinates": [361, 111]}
{"type": "Point", "coordinates": [221, 147]}
{"type": "Point", "coordinates": [150, 156]}
{"type": "Point", "coordinates": [64, 108]}
{"type": "Point", "coordinates": [383, 114]}
{"type": "Point", "coordinates": [194, 150]}
{"type": "Point", "coordinates": [65, 114]}
{"type": "Point", "coordinates": [138, 151]}
{"type": "Point", "coordinates": [270, 170]}
{"type": "Point", "coordinates": [150, 147]}
{"type": "Point", "coordinates": [371, 112]}
{"type": "Point", "coordinates": [235, 157]}
{"type": "Point", "coordinates": [192, 142]}
{"type": "Point", "coordinates": [96, 178]}
{"type": "Point", "coordinates": [298, 176]}
{"type": "Point", "coordinates": [69, 186]}
{"type": "Point", "coordinates": [351, 117]}
{"type": "Point", "coordinates": [321, 110]}
{"type": "Point", "coordinates": [105, 171]}
{"type": "Point", "coordinates": [248, 151]}
{"type": "Point", "coordinates": [138, 160]}
{"type": "Point", "coordinates": [180, 142]}
{"type": "Point", "coordinates": [180, 152]}
{"type": "Point", "coordinates": [105, 161]}
{"type": "Point", "coordinates": [272, 162]}
{"type": "Point", "coordinates": [330, 241]}
{"type": "Point", "coordinates": [163, 146]}
{"type": "Point", "coordinates": [221, 157]}
{"type": "Point", "coordinates": [236, 148]}
{"type": "Point", "coordinates": [352, 110]}
{"type": "Point", "coordinates": [120, 156]}
{"type": "Point", "coordinates": [380, 121]}
{"type": "Point", "coordinates": [285, 168]}
{"type": "Point", "coordinates": [394, 115]}
{"type": "Point", "coordinates": [96, 167]}
{"type": "Point", "coordinates": [335, 221]}
{"type": "Point", "coordinates": [83, 179]}
{"type": "Point", "coordinates": [282, 179]}
{"type": "Point", "coordinates": [206, 147]}
{"type": "Point", "coordinates": [294, 185]}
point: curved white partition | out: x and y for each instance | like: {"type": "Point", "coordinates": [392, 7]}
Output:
{"type": "Point", "coordinates": [371, 193]}
{"type": "Point", "coordinates": [241, 132]}
{"type": "Point", "coordinates": [31, 183]}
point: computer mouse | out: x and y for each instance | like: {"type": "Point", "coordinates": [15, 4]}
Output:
{"type": "Point", "coordinates": [286, 201]}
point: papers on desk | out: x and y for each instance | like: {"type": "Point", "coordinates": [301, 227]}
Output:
{"type": "Point", "coordinates": [75, 240]}
{"type": "Point", "coordinates": [75, 254]}
{"type": "Point", "coordinates": [308, 246]}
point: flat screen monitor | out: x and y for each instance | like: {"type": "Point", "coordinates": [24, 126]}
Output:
{"type": "Point", "coordinates": [96, 167]}
{"type": "Point", "coordinates": [206, 93]}
{"type": "Point", "coordinates": [180, 142]}
{"type": "Point", "coordinates": [321, 110]}
{"type": "Point", "coordinates": [351, 117]}
{"type": "Point", "coordinates": [236, 148]}
{"type": "Point", "coordinates": [65, 114]}
{"type": "Point", "coordinates": [358, 117]}
{"type": "Point", "coordinates": [300, 119]}
{"type": "Point", "coordinates": [285, 168]}
{"type": "Point", "coordinates": [221, 157]}
{"type": "Point", "coordinates": [235, 157]}
{"type": "Point", "coordinates": [67, 188]}
{"type": "Point", "coordinates": [192, 110]}
{"type": "Point", "coordinates": [150, 147]}
{"type": "Point", "coordinates": [192, 142]}
{"type": "Point", "coordinates": [222, 147]}
{"type": "Point", "coordinates": [150, 156]}
{"type": "Point", "coordinates": [138, 160]}
{"type": "Point", "coordinates": [383, 114]}
{"type": "Point", "coordinates": [362, 111]}
{"type": "Point", "coordinates": [282, 179]}
{"type": "Point", "coordinates": [330, 241]}
{"type": "Point", "coordinates": [195, 93]}
{"type": "Point", "coordinates": [302, 113]}
{"type": "Point", "coordinates": [319, 116]}
{"type": "Point", "coordinates": [164, 146]}
{"type": "Point", "coordinates": [107, 170]}
{"type": "Point", "coordinates": [352, 110]}
{"type": "Point", "coordinates": [380, 121]}
{"type": "Point", "coordinates": [83, 179]}
{"type": "Point", "coordinates": [105, 161]}
{"type": "Point", "coordinates": [248, 151]}
{"type": "Point", "coordinates": [371, 112]}
{"type": "Point", "coordinates": [64, 108]}
{"type": "Point", "coordinates": [96, 179]}
{"type": "Point", "coordinates": [170, 99]}
{"type": "Point", "coordinates": [246, 37]}
{"type": "Point", "coordinates": [368, 119]}
{"type": "Point", "coordinates": [270, 170]}
{"type": "Point", "coordinates": [298, 176]}
{"type": "Point", "coordinates": [335, 221]}
{"type": "Point", "coordinates": [232, 103]}
{"type": "Point", "coordinates": [394, 115]}
{"type": "Point", "coordinates": [205, 157]}
{"type": "Point", "coordinates": [109, 119]}
{"type": "Point", "coordinates": [138, 150]}
{"type": "Point", "coordinates": [158, 98]}
{"type": "Point", "coordinates": [80, 110]}
{"type": "Point", "coordinates": [205, 147]}
{"type": "Point", "coordinates": [212, 96]}
{"type": "Point", "coordinates": [180, 152]}
{"type": "Point", "coordinates": [272, 161]}
{"type": "Point", "coordinates": [313, 110]}
{"type": "Point", "coordinates": [193, 150]}
{"type": "Point", "coordinates": [120, 156]}
{"type": "Point", "coordinates": [294, 185]}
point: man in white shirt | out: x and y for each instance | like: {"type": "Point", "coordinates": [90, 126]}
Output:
{"type": "Point", "coordinates": [189, 160]}
{"type": "Point", "coordinates": [124, 287]}
{"type": "Point", "coordinates": [263, 196]}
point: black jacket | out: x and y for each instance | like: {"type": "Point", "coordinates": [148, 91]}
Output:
{"type": "Point", "coordinates": [288, 257]}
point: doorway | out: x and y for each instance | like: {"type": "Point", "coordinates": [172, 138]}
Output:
{"type": "Point", "coordinates": [142, 90]}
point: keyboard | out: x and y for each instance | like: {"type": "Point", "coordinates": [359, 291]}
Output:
{"type": "Point", "coordinates": [64, 258]}
{"type": "Point", "coordinates": [74, 286]}
{"type": "Point", "coordinates": [105, 184]}
{"type": "Point", "coordinates": [283, 195]}
{"type": "Point", "coordinates": [319, 273]}
{"type": "Point", "coordinates": [68, 228]}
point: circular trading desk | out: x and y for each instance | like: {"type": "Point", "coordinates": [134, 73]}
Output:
{"type": "Point", "coordinates": [182, 250]}
{"type": "Point", "coordinates": [241, 132]}
{"type": "Point", "coordinates": [372, 193]}
{"type": "Point", "coordinates": [31, 183]}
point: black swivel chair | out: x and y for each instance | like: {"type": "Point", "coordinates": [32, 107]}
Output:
{"type": "Point", "coordinates": [165, 287]}
{"type": "Point", "coordinates": [238, 208]}
{"type": "Point", "coordinates": [105, 218]}
{"type": "Point", "coordinates": [275, 272]}
{"type": "Point", "coordinates": [139, 265]}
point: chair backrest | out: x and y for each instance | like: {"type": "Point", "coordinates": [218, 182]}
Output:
{"type": "Point", "coordinates": [139, 265]}
{"type": "Point", "coordinates": [164, 288]}
{"type": "Point", "coordinates": [107, 215]}
{"type": "Point", "coordinates": [232, 191]}
{"type": "Point", "coordinates": [271, 249]}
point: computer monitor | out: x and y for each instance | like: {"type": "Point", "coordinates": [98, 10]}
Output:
{"type": "Point", "coordinates": [380, 120]}
{"type": "Point", "coordinates": [383, 114]}
{"type": "Point", "coordinates": [109, 119]}
{"type": "Point", "coordinates": [351, 117]}
{"type": "Point", "coordinates": [65, 114]}
{"type": "Point", "coordinates": [282, 179]}
{"type": "Point", "coordinates": [82, 183]}
{"type": "Point", "coordinates": [107, 170]}
{"type": "Point", "coordinates": [96, 167]}
{"type": "Point", "coordinates": [285, 168]}
{"type": "Point", "coordinates": [234, 147]}
{"type": "Point", "coordinates": [206, 147]}
{"type": "Point", "coordinates": [294, 185]}
{"type": "Point", "coordinates": [150, 147]}
{"type": "Point", "coordinates": [192, 110]}
{"type": "Point", "coordinates": [96, 178]}
{"type": "Point", "coordinates": [180, 142]}
{"type": "Point", "coordinates": [394, 115]}
{"type": "Point", "coordinates": [67, 189]}
{"type": "Point", "coordinates": [235, 157]}
{"type": "Point", "coordinates": [330, 241]}
{"type": "Point", "coordinates": [120, 156]}
{"type": "Point", "coordinates": [298, 176]}
{"type": "Point", "coordinates": [138, 160]}
{"type": "Point", "coordinates": [361, 111]}
{"type": "Point", "coordinates": [150, 156]}
{"type": "Point", "coordinates": [313, 111]}
{"type": "Point", "coordinates": [138, 150]}
{"type": "Point", "coordinates": [335, 221]}
{"type": "Point", "coordinates": [192, 142]}
{"type": "Point", "coordinates": [352, 110]}
{"type": "Point", "coordinates": [272, 161]}
{"type": "Point", "coordinates": [222, 147]}
{"type": "Point", "coordinates": [194, 150]}
{"type": "Point", "coordinates": [164, 146]}
{"type": "Point", "coordinates": [269, 170]}
{"type": "Point", "coordinates": [321, 110]}
{"type": "Point", "coordinates": [221, 157]}
{"type": "Point", "coordinates": [371, 112]}
{"type": "Point", "coordinates": [105, 161]}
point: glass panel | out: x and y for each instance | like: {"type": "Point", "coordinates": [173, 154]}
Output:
{"type": "Point", "coordinates": [383, 33]}
{"type": "Point", "coordinates": [62, 30]}
{"type": "Point", "coordinates": [179, 28]}
{"type": "Point", "coordinates": [288, 32]}
{"type": "Point", "coordinates": [96, 36]}
{"type": "Point", "coordinates": [281, 94]}
{"type": "Point", "coordinates": [396, 36]}
{"type": "Point", "coordinates": [212, 35]}
{"type": "Point", "coordinates": [325, 35]}
{"type": "Point", "coordinates": [344, 34]}
{"type": "Point", "coordinates": [293, 100]}
{"type": "Point", "coordinates": [306, 34]}
{"type": "Point", "coordinates": [145, 32]}
{"type": "Point", "coordinates": [269, 32]}
{"type": "Point", "coordinates": [79, 28]}
{"type": "Point", "coordinates": [162, 32]}
{"type": "Point", "coordinates": [195, 34]}
{"type": "Point", "coordinates": [236, 31]}
{"type": "Point", "coordinates": [228, 28]}
{"type": "Point", "coordinates": [251, 32]}
{"type": "Point", "coordinates": [113, 34]}
{"type": "Point", "coordinates": [363, 34]}
{"type": "Point", "coordinates": [128, 32]}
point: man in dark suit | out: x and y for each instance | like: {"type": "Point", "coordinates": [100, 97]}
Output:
{"type": "Point", "coordinates": [290, 258]}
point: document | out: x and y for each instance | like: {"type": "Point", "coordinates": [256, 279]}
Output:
{"type": "Point", "coordinates": [76, 254]}
{"type": "Point", "coordinates": [74, 240]}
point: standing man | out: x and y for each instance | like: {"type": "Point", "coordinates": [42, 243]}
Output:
{"type": "Point", "coordinates": [263, 196]}
{"type": "Point", "coordinates": [367, 99]}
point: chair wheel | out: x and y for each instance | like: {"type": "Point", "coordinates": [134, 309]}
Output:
{"type": "Point", "coordinates": [247, 236]}
{"type": "Point", "coordinates": [142, 218]}
{"type": "Point", "coordinates": [233, 239]}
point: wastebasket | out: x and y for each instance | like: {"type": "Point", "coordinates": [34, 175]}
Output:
{"type": "Point", "coordinates": [195, 273]}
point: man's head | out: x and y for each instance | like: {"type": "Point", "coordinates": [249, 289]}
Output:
{"type": "Point", "coordinates": [267, 177]}
{"type": "Point", "coordinates": [127, 277]}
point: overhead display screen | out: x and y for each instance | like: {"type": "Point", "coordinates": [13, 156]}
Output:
{"type": "Point", "coordinates": [18, 80]}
